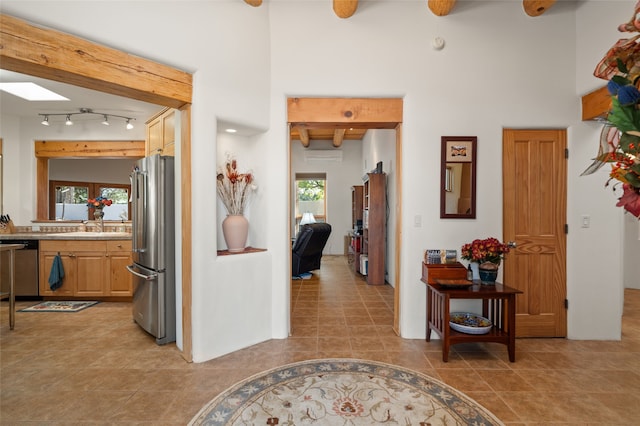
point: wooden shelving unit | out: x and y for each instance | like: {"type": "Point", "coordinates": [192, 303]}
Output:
{"type": "Point", "coordinates": [355, 245]}
{"type": "Point", "coordinates": [374, 226]}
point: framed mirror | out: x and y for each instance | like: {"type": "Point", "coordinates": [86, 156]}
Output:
{"type": "Point", "coordinates": [458, 177]}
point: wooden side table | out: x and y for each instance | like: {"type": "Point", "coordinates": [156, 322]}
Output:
{"type": "Point", "coordinates": [498, 305]}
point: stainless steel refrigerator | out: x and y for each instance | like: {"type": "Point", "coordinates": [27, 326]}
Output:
{"type": "Point", "coordinates": [153, 244]}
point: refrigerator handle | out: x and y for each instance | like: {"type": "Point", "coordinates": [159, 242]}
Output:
{"type": "Point", "coordinates": [138, 274]}
{"type": "Point", "coordinates": [140, 194]}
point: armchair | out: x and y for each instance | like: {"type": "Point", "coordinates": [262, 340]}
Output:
{"type": "Point", "coordinates": [307, 249]}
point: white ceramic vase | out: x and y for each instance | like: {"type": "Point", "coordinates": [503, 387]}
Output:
{"type": "Point", "coordinates": [235, 228]}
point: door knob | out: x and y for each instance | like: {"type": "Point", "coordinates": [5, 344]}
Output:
{"type": "Point", "coordinates": [512, 244]}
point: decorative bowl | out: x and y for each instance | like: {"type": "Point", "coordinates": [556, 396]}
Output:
{"type": "Point", "coordinates": [466, 322]}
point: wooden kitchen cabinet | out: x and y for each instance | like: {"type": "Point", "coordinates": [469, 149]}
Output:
{"type": "Point", "coordinates": [90, 273]}
{"type": "Point", "coordinates": [68, 265]}
{"type": "Point", "coordinates": [92, 268]}
{"type": "Point", "coordinates": [121, 280]}
{"type": "Point", "coordinates": [161, 133]}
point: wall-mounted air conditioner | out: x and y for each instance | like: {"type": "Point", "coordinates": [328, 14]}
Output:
{"type": "Point", "coordinates": [323, 155]}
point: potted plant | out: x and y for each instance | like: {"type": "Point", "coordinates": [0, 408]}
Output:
{"type": "Point", "coordinates": [488, 253]}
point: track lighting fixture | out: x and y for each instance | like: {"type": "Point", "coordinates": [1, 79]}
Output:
{"type": "Point", "coordinates": [82, 111]}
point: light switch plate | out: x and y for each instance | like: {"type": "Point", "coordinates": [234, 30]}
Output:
{"type": "Point", "coordinates": [585, 220]}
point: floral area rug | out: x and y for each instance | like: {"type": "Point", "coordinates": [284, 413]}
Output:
{"type": "Point", "coordinates": [342, 392]}
{"type": "Point", "coordinates": [59, 306]}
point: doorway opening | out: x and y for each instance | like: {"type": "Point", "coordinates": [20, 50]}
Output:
{"type": "Point", "coordinates": [22, 52]}
{"type": "Point", "coordinates": [333, 118]}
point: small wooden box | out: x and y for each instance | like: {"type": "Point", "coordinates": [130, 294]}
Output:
{"type": "Point", "coordinates": [449, 271]}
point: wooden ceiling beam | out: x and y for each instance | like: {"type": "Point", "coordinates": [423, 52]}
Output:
{"type": "Point", "coordinates": [441, 7]}
{"type": "Point", "coordinates": [378, 113]}
{"type": "Point", "coordinates": [345, 8]}
{"type": "Point", "coordinates": [537, 7]}
{"type": "Point", "coordinates": [50, 54]}
{"type": "Point", "coordinates": [304, 136]}
{"type": "Point", "coordinates": [338, 137]}
{"type": "Point", "coordinates": [596, 104]}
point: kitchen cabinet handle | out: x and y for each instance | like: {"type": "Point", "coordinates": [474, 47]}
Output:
{"type": "Point", "coordinates": [71, 255]}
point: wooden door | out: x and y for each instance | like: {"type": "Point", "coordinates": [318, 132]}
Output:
{"type": "Point", "coordinates": [534, 215]}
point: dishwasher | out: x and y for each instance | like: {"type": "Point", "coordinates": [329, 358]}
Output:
{"type": "Point", "coordinates": [26, 269]}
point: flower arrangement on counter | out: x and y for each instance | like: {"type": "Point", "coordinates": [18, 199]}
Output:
{"type": "Point", "coordinates": [620, 138]}
{"type": "Point", "coordinates": [488, 252]}
{"type": "Point", "coordinates": [234, 188]}
{"type": "Point", "coordinates": [98, 202]}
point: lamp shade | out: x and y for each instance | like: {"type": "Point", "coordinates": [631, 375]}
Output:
{"type": "Point", "coordinates": [307, 218]}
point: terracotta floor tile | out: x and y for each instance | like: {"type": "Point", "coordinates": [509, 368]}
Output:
{"type": "Point", "coordinates": [112, 372]}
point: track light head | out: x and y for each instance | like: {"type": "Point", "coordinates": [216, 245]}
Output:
{"type": "Point", "coordinates": [82, 111]}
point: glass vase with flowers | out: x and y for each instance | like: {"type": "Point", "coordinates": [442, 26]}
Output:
{"type": "Point", "coordinates": [98, 204]}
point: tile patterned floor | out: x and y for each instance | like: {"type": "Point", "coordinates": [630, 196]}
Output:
{"type": "Point", "coordinates": [97, 367]}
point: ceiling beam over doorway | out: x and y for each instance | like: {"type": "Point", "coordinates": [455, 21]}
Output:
{"type": "Point", "coordinates": [25, 48]}
{"type": "Point", "coordinates": [372, 113]}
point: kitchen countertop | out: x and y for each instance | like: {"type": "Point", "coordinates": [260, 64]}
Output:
{"type": "Point", "coordinates": [67, 236]}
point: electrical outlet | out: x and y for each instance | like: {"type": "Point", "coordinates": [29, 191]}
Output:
{"type": "Point", "coordinates": [417, 221]}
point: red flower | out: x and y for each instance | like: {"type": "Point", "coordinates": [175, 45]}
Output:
{"type": "Point", "coordinates": [488, 250]}
{"type": "Point", "coordinates": [630, 200]}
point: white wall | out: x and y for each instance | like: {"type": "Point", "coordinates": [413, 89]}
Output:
{"type": "Point", "coordinates": [499, 68]}
{"type": "Point", "coordinates": [341, 176]}
{"type": "Point", "coordinates": [631, 248]}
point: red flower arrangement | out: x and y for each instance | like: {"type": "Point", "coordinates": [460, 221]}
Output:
{"type": "Point", "coordinates": [98, 202]}
{"type": "Point", "coordinates": [620, 138]}
{"type": "Point", "coordinates": [488, 252]}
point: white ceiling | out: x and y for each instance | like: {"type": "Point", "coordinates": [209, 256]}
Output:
{"type": "Point", "coordinates": [78, 98]}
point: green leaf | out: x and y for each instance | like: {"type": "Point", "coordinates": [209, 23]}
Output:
{"type": "Point", "coordinates": [633, 179]}
{"type": "Point", "coordinates": [625, 118]}
{"type": "Point", "coordinates": [626, 139]}
{"type": "Point", "coordinates": [622, 81]}
{"type": "Point", "coordinates": [621, 66]}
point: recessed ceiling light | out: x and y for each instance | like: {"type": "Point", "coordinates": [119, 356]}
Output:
{"type": "Point", "coordinates": [31, 92]}
{"type": "Point", "coordinates": [231, 130]}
